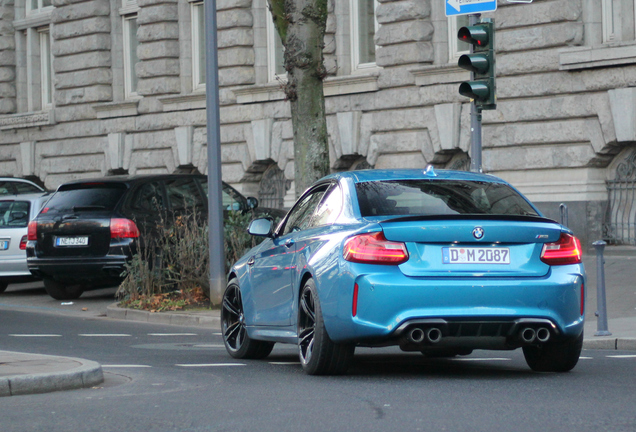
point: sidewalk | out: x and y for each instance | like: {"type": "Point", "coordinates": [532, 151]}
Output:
{"type": "Point", "coordinates": [29, 373]}
{"type": "Point", "coordinates": [22, 373]}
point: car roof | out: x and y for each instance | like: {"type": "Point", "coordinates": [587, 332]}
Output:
{"type": "Point", "coordinates": [128, 179]}
{"type": "Point", "coordinates": [413, 174]}
{"type": "Point", "coordinates": [24, 197]}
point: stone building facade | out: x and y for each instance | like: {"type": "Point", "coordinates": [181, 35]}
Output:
{"type": "Point", "coordinates": [98, 87]}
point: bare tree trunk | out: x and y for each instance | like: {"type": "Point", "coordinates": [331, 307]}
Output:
{"type": "Point", "coordinates": [301, 25]}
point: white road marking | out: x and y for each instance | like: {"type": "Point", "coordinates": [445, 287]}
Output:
{"type": "Point", "coordinates": [211, 365]}
{"type": "Point", "coordinates": [586, 358]}
{"type": "Point", "coordinates": [172, 334]}
{"type": "Point", "coordinates": [126, 366]}
{"type": "Point", "coordinates": [483, 359]}
{"type": "Point", "coordinates": [217, 334]}
{"type": "Point", "coordinates": [35, 335]}
{"type": "Point", "coordinates": [622, 356]}
{"type": "Point", "coordinates": [104, 335]}
{"type": "Point", "coordinates": [284, 363]}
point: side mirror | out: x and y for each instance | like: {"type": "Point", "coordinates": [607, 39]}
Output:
{"type": "Point", "coordinates": [252, 203]}
{"type": "Point", "coordinates": [261, 227]}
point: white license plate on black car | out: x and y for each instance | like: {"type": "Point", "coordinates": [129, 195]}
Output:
{"type": "Point", "coordinates": [71, 241]}
{"type": "Point", "coordinates": [4, 244]}
{"type": "Point", "coordinates": [475, 255]}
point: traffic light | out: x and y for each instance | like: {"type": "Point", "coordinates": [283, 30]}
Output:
{"type": "Point", "coordinates": [481, 62]}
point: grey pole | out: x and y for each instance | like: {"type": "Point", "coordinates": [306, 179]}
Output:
{"type": "Point", "coordinates": [601, 312]}
{"type": "Point", "coordinates": [215, 214]}
{"type": "Point", "coordinates": [475, 118]}
{"type": "Point", "coordinates": [563, 209]}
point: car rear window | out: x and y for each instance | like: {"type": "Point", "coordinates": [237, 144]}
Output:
{"type": "Point", "coordinates": [14, 214]}
{"type": "Point", "coordinates": [85, 197]}
{"type": "Point", "coordinates": [439, 197]}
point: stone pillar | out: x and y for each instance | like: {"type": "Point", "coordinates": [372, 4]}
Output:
{"type": "Point", "coordinates": [158, 34]}
{"type": "Point", "coordinates": [7, 58]}
{"type": "Point", "coordinates": [236, 43]}
{"type": "Point", "coordinates": [81, 47]}
{"type": "Point", "coordinates": [405, 35]}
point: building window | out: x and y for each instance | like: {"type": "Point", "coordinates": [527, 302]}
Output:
{"type": "Point", "coordinates": [456, 48]}
{"type": "Point", "coordinates": [130, 54]}
{"type": "Point", "coordinates": [275, 52]}
{"type": "Point", "coordinates": [618, 20]}
{"type": "Point", "coordinates": [46, 60]}
{"type": "Point", "coordinates": [198, 46]}
{"type": "Point", "coordinates": [37, 6]}
{"type": "Point", "coordinates": [363, 29]}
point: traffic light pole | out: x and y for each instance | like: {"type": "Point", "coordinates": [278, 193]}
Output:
{"type": "Point", "coordinates": [475, 116]}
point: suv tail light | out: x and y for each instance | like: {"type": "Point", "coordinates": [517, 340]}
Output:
{"type": "Point", "coordinates": [32, 231]}
{"type": "Point", "coordinates": [567, 250]}
{"type": "Point", "coordinates": [123, 228]}
{"type": "Point", "coordinates": [23, 243]}
{"type": "Point", "coordinates": [374, 248]}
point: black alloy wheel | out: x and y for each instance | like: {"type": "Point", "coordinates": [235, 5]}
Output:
{"type": "Point", "coordinates": [319, 355]}
{"type": "Point", "coordinates": [237, 342]}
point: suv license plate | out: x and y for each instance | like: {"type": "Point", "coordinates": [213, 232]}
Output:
{"type": "Point", "coordinates": [4, 244]}
{"type": "Point", "coordinates": [475, 255]}
{"type": "Point", "coordinates": [71, 241]}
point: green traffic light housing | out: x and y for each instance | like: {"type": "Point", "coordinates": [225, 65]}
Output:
{"type": "Point", "coordinates": [481, 62]}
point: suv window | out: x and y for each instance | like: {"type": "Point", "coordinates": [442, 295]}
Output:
{"type": "Point", "coordinates": [85, 197]}
{"type": "Point", "coordinates": [184, 195]}
{"type": "Point", "coordinates": [440, 197]}
{"type": "Point", "coordinates": [14, 214]}
{"type": "Point", "coordinates": [148, 198]}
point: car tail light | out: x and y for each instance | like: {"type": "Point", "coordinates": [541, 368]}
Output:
{"type": "Point", "coordinates": [374, 248]}
{"type": "Point", "coordinates": [32, 230]}
{"type": "Point", "coordinates": [567, 250]}
{"type": "Point", "coordinates": [23, 242]}
{"type": "Point", "coordinates": [123, 228]}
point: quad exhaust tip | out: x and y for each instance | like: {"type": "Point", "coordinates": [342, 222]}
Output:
{"type": "Point", "coordinates": [529, 335]}
{"type": "Point", "coordinates": [432, 335]}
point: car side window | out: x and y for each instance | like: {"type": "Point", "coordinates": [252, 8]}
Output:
{"type": "Point", "coordinates": [301, 215]}
{"type": "Point", "coordinates": [184, 195]}
{"type": "Point", "coordinates": [148, 198]}
{"type": "Point", "coordinates": [14, 214]}
{"type": "Point", "coordinates": [329, 208]}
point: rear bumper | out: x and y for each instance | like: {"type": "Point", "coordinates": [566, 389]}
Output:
{"type": "Point", "coordinates": [388, 301]}
{"type": "Point", "coordinates": [72, 270]}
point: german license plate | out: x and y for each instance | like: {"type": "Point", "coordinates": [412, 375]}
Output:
{"type": "Point", "coordinates": [475, 255]}
{"type": "Point", "coordinates": [4, 244]}
{"type": "Point", "coordinates": [71, 241]}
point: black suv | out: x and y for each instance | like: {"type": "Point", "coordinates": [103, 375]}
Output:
{"type": "Point", "coordinates": [89, 229]}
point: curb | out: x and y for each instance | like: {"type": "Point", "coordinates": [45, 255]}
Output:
{"type": "Point", "coordinates": [610, 343]}
{"type": "Point", "coordinates": [88, 374]}
{"type": "Point", "coordinates": [211, 319]}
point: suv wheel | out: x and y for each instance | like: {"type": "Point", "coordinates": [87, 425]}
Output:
{"type": "Point", "coordinates": [59, 291]}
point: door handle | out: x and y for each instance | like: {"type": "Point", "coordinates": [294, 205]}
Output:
{"type": "Point", "coordinates": [289, 243]}
{"type": "Point", "coordinates": [251, 261]}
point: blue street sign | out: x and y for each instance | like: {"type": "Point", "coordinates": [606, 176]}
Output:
{"type": "Point", "coordinates": [466, 7]}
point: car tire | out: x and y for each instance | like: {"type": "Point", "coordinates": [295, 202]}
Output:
{"type": "Point", "coordinates": [3, 286]}
{"type": "Point", "coordinates": [559, 356]}
{"type": "Point", "coordinates": [319, 355]}
{"type": "Point", "coordinates": [59, 291]}
{"type": "Point", "coordinates": [237, 342]}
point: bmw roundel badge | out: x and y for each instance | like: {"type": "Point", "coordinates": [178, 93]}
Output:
{"type": "Point", "coordinates": [478, 233]}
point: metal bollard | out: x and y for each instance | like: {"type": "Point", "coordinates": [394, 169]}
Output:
{"type": "Point", "coordinates": [601, 311]}
{"type": "Point", "coordinates": [563, 209]}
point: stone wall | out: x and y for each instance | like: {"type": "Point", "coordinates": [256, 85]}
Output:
{"type": "Point", "coordinates": [7, 58]}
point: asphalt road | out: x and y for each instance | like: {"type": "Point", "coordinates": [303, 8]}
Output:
{"type": "Point", "coordinates": [168, 378]}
